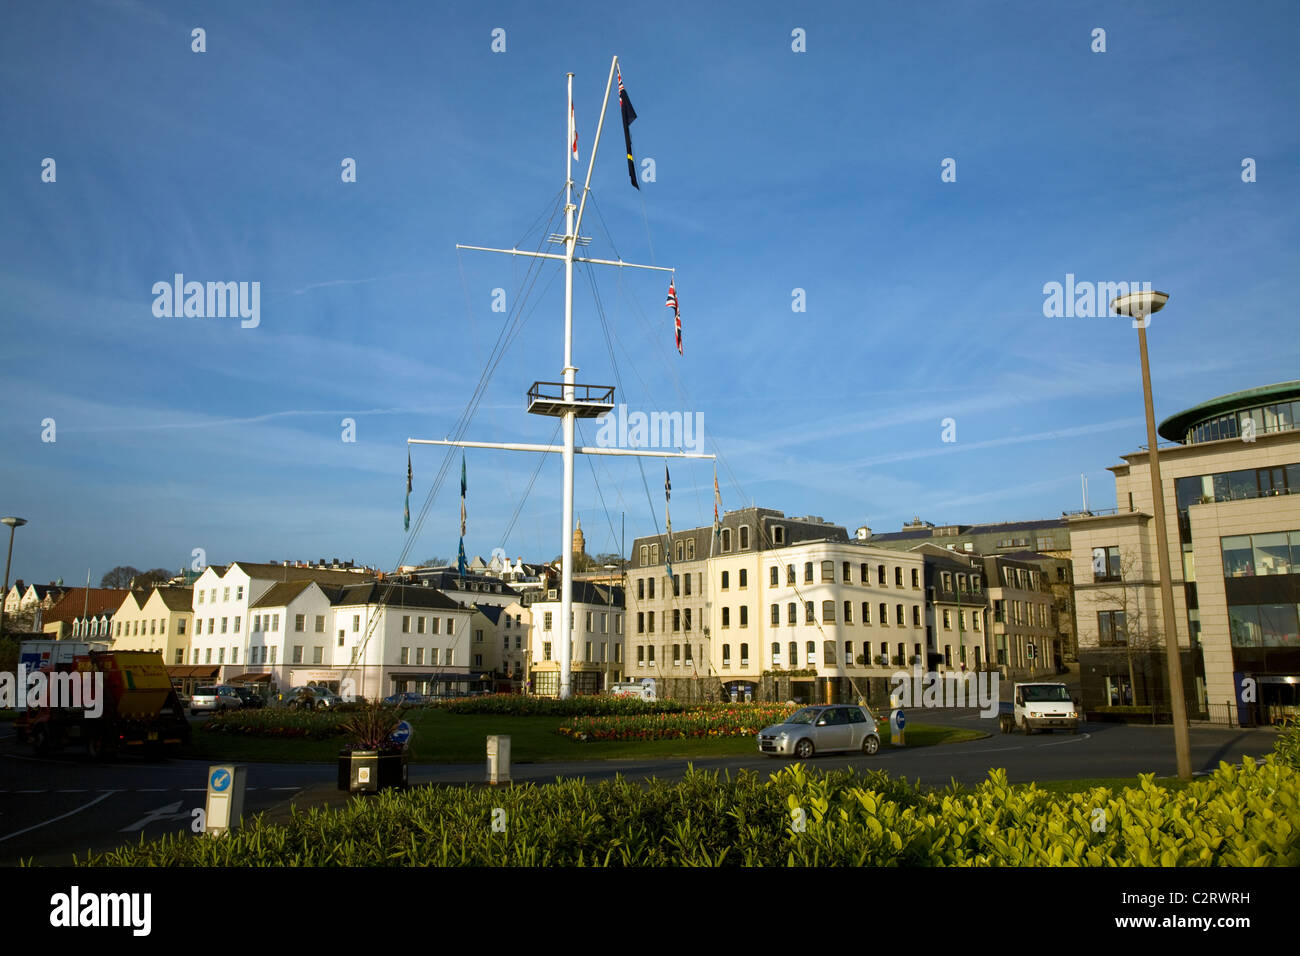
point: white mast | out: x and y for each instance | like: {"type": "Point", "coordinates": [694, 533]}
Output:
{"type": "Point", "coordinates": [567, 405]}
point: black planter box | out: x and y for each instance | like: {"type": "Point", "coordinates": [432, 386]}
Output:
{"type": "Point", "coordinates": [370, 771]}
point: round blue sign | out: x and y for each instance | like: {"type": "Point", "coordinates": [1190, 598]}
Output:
{"type": "Point", "coordinates": [402, 735]}
{"type": "Point", "coordinates": [902, 720]}
{"type": "Point", "coordinates": [220, 780]}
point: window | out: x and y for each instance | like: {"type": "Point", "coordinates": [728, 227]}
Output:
{"type": "Point", "coordinates": [828, 571]}
{"type": "Point", "coordinates": [650, 653]}
{"type": "Point", "coordinates": [690, 550]}
{"type": "Point", "coordinates": [650, 587]}
{"type": "Point", "coordinates": [794, 654]}
{"type": "Point", "coordinates": [419, 656]}
{"type": "Point", "coordinates": [776, 653]}
{"type": "Point", "coordinates": [744, 655]}
{"type": "Point", "coordinates": [650, 621]}
{"type": "Point", "coordinates": [744, 537]}
{"type": "Point", "coordinates": [789, 574]}
{"type": "Point", "coordinates": [640, 589]}
{"type": "Point", "coordinates": [899, 615]}
{"type": "Point", "coordinates": [406, 624]}
{"type": "Point", "coordinates": [320, 623]}
{"type": "Point", "coordinates": [677, 655]}
{"type": "Point", "coordinates": [744, 615]}
{"type": "Point", "coordinates": [640, 622]}
{"type": "Point", "coordinates": [811, 651]}
{"type": "Point", "coordinates": [225, 594]}
{"type": "Point", "coordinates": [546, 621]}
{"type": "Point", "coordinates": [654, 559]}
{"type": "Point", "coordinates": [419, 624]}
{"type": "Point", "coordinates": [807, 572]}
{"type": "Point", "coordinates": [640, 654]}
{"type": "Point", "coordinates": [677, 585]}
{"type": "Point", "coordinates": [1105, 564]}
{"type": "Point", "coordinates": [180, 655]}
{"type": "Point", "coordinates": [645, 552]}
{"type": "Point", "coordinates": [299, 622]}
{"type": "Point", "coordinates": [680, 550]}
{"type": "Point", "coordinates": [297, 654]}
{"type": "Point", "coordinates": [898, 577]}
{"type": "Point", "coordinates": [828, 652]}
{"type": "Point", "coordinates": [726, 655]}
{"type": "Point", "coordinates": [974, 617]}
{"type": "Point", "coordinates": [791, 614]}
{"type": "Point", "coordinates": [744, 577]}
{"type": "Point", "coordinates": [200, 597]}
{"type": "Point", "coordinates": [828, 612]}
{"type": "Point", "coordinates": [687, 614]}
{"type": "Point", "coordinates": [848, 612]}
{"type": "Point", "coordinates": [153, 626]}
{"type": "Point", "coordinates": [772, 578]}
{"type": "Point", "coordinates": [726, 540]}
{"type": "Point", "coordinates": [884, 615]}
{"type": "Point", "coordinates": [198, 625]}
{"type": "Point", "coordinates": [848, 653]}
{"type": "Point", "coordinates": [916, 578]}
{"type": "Point", "coordinates": [236, 623]}
{"type": "Point", "coordinates": [880, 575]}
{"type": "Point", "coordinates": [916, 615]}
{"type": "Point", "coordinates": [778, 535]}
{"type": "Point", "coordinates": [677, 620]}
{"type": "Point", "coordinates": [223, 625]}
{"type": "Point", "coordinates": [433, 656]}
{"type": "Point", "coordinates": [1110, 629]}
{"type": "Point", "coordinates": [275, 623]}
{"type": "Point", "coordinates": [947, 619]}
{"type": "Point", "coordinates": [776, 615]}
{"type": "Point", "coordinates": [808, 616]}
{"type": "Point", "coordinates": [866, 612]}
{"type": "Point", "coordinates": [221, 655]}
{"type": "Point", "coordinates": [726, 580]}
{"type": "Point", "coordinates": [317, 654]}
{"type": "Point", "coordinates": [340, 637]}
{"type": "Point", "coordinates": [866, 573]}
{"type": "Point", "coordinates": [687, 582]}
{"type": "Point", "coordinates": [726, 617]}
{"type": "Point", "coordinates": [180, 625]}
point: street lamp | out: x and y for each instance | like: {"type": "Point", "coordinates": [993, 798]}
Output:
{"type": "Point", "coordinates": [1141, 306]}
{"type": "Point", "coordinates": [12, 523]}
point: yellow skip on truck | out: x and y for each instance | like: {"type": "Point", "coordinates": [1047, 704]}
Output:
{"type": "Point", "coordinates": [108, 702]}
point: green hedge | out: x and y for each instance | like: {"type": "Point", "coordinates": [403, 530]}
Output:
{"type": "Point", "coordinates": [1245, 817]}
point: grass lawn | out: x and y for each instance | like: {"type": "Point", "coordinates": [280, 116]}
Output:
{"type": "Point", "coordinates": [441, 737]}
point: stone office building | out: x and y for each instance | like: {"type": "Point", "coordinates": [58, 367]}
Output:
{"type": "Point", "coordinates": [1232, 498]}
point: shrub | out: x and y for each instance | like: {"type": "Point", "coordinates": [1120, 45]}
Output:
{"type": "Point", "coordinates": [1287, 747]}
{"type": "Point", "coordinates": [1245, 817]}
{"type": "Point", "coordinates": [518, 705]}
{"type": "Point", "coordinates": [722, 720]}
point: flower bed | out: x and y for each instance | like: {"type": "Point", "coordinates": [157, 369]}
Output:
{"type": "Point", "coordinates": [518, 705]}
{"type": "Point", "coordinates": [718, 720]}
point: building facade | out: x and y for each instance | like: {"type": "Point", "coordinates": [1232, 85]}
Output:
{"type": "Point", "coordinates": [1232, 496]}
{"type": "Point", "coordinates": [596, 659]}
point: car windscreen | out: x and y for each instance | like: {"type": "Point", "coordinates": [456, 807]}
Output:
{"type": "Point", "coordinates": [1045, 692]}
{"type": "Point", "coordinates": [806, 716]}
{"type": "Point", "coordinates": [206, 692]}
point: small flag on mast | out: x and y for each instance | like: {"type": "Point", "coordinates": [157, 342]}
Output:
{"type": "Point", "coordinates": [461, 564]}
{"type": "Point", "coordinates": [677, 315]}
{"type": "Point", "coordinates": [717, 503]}
{"type": "Point", "coordinates": [629, 114]}
{"type": "Point", "coordinates": [668, 520]}
{"type": "Point", "coordinates": [406, 517]}
{"type": "Point", "coordinates": [573, 134]}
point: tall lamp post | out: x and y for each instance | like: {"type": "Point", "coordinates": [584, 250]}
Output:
{"type": "Point", "coordinates": [12, 523]}
{"type": "Point", "coordinates": [1141, 306]}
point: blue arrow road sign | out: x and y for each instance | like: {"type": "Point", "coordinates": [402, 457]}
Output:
{"type": "Point", "coordinates": [402, 734]}
{"type": "Point", "coordinates": [902, 720]}
{"type": "Point", "coordinates": [220, 780]}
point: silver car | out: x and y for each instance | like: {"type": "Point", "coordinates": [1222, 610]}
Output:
{"type": "Point", "coordinates": [216, 698]}
{"type": "Point", "coordinates": [833, 727]}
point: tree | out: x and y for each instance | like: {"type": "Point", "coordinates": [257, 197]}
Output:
{"type": "Point", "coordinates": [1136, 626]}
{"type": "Point", "coordinates": [436, 563]}
{"type": "Point", "coordinates": [608, 558]}
{"type": "Point", "coordinates": [119, 577]}
{"type": "Point", "coordinates": [147, 579]}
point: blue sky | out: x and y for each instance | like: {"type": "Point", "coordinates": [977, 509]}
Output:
{"type": "Point", "coordinates": [775, 170]}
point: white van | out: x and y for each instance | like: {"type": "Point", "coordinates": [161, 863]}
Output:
{"type": "Point", "coordinates": [1045, 707]}
{"type": "Point", "coordinates": [641, 689]}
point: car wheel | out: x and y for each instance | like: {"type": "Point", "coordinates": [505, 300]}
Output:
{"type": "Point", "coordinates": [95, 747]}
{"type": "Point", "coordinates": [804, 749]}
{"type": "Point", "coordinates": [871, 744]}
{"type": "Point", "coordinates": [1024, 725]}
{"type": "Point", "coordinates": [1074, 729]}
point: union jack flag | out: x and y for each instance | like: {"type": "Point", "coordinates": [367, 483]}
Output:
{"type": "Point", "coordinates": [677, 315]}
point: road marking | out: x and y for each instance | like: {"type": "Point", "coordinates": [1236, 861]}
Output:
{"type": "Point", "coordinates": [71, 791]}
{"type": "Point", "coordinates": [30, 791]}
{"type": "Point", "coordinates": [58, 818]}
{"type": "Point", "coordinates": [1071, 740]}
{"type": "Point", "coordinates": [284, 788]}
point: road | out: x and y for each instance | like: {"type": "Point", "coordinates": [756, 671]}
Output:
{"type": "Point", "coordinates": [51, 808]}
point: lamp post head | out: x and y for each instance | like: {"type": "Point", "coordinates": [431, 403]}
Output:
{"type": "Point", "coordinates": [1140, 305]}
{"type": "Point", "coordinates": [13, 522]}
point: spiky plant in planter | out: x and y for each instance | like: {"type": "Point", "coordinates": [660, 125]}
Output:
{"type": "Point", "coordinates": [370, 761]}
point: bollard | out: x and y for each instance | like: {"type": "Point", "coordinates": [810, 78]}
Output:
{"type": "Point", "coordinates": [225, 802]}
{"type": "Point", "coordinates": [498, 759]}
